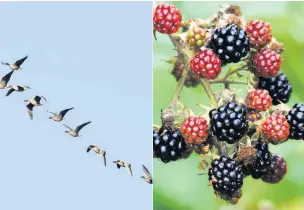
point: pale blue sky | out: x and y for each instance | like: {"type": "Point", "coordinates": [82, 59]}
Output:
{"type": "Point", "coordinates": [96, 57]}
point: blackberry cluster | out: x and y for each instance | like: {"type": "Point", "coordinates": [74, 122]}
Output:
{"type": "Point", "coordinates": [230, 44]}
{"type": "Point", "coordinates": [168, 145]}
{"type": "Point", "coordinates": [295, 119]}
{"type": "Point", "coordinates": [278, 87]}
{"type": "Point", "coordinates": [229, 122]}
{"type": "Point", "coordinates": [226, 176]}
{"type": "Point", "coordinates": [277, 170]}
{"type": "Point", "coordinates": [263, 160]}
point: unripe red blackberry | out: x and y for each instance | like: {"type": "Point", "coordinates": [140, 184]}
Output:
{"type": "Point", "coordinates": [277, 170]}
{"type": "Point", "coordinates": [259, 32]}
{"type": "Point", "coordinates": [167, 19]}
{"type": "Point", "coordinates": [194, 130]}
{"type": "Point", "coordinates": [206, 64]}
{"type": "Point", "coordinates": [226, 176]}
{"type": "Point", "coordinates": [274, 129]}
{"type": "Point", "coordinates": [266, 63]}
{"type": "Point", "coordinates": [259, 100]}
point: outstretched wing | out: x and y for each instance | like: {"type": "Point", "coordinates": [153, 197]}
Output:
{"type": "Point", "coordinates": [10, 91]}
{"type": "Point", "coordinates": [67, 126]}
{"type": "Point", "coordinates": [146, 171]}
{"type": "Point", "coordinates": [130, 170]}
{"type": "Point", "coordinates": [30, 110]}
{"type": "Point", "coordinates": [63, 112]}
{"type": "Point", "coordinates": [90, 147]}
{"type": "Point", "coordinates": [7, 77]}
{"type": "Point", "coordinates": [43, 98]}
{"type": "Point", "coordinates": [104, 158]}
{"type": "Point", "coordinates": [79, 127]}
{"type": "Point", "coordinates": [20, 62]}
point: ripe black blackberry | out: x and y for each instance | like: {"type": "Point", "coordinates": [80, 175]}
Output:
{"type": "Point", "coordinates": [262, 163]}
{"type": "Point", "coordinates": [278, 87]}
{"type": "Point", "coordinates": [277, 170]}
{"type": "Point", "coordinates": [295, 119]}
{"type": "Point", "coordinates": [226, 176]}
{"type": "Point", "coordinates": [168, 144]}
{"type": "Point", "coordinates": [229, 122]}
{"type": "Point", "coordinates": [230, 44]}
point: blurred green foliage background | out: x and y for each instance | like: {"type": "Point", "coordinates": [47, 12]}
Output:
{"type": "Point", "coordinates": [177, 185]}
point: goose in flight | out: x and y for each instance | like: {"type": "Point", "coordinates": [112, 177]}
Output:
{"type": "Point", "coordinates": [98, 151]}
{"type": "Point", "coordinates": [16, 88]}
{"type": "Point", "coordinates": [17, 65]}
{"type": "Point", "coordinates": [32, 103]}
{"type": "Point", "coordinates": [59, 116]}
{"type": "Point", "coordinates": [36, 101]}
{"type": "Point", "coordinates": [120, 163]}
{"type": "Point", "coordinates": [147, 176]}
{"type": "Point", "coordinates": [5, 80]}
{"type": "Point", "coordinates": [75, 133]}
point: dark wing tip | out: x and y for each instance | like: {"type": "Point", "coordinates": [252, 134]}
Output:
{"type": "Point", "coordinates": [9, 91]}
{"type": "Point", "coordinates": [89, 148]}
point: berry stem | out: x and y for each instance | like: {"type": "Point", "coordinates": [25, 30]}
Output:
{"type": "Point", "coordinates": [206, 85]}
{"type": "Point", "coordinates": [228, 82]}
{"type": "Point", "coordinates": [185, 57]}
{"type": "Point", "coordinates": [234, 70]}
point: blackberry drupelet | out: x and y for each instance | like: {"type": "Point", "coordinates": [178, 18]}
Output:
{"type": "Point", "coordinates": [230, 44]}
{"type": "Point", "coordinates": [278, 87]}
{"type": "Point", "coordinates": [168, 144]}
{"type": "Point", "coordinates": [229, 122]}
{"type": "Point", "coordinates": [295, 119]}
{"type": "Point", "coordinates": [263, 160]}
{"type": "Point", "coordinates": [277, 170]}
{"type": "Point", "coordinates": [226, 176]}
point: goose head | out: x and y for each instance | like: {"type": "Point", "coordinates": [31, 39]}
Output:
{"type": "Point", "coordinates": [66, 131]}
{"type": "Point", "coordinates": [142, 177]}
{"type": "Point", "coordinates": [27, 87]}
{"type": "Point", "coordinates": [50, 117]}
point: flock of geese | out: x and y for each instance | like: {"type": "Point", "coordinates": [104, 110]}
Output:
{"type": "Point", "coordinates": [60, 116]}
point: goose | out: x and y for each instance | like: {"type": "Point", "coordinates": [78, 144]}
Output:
{"type": "Point", "coordinates": [60, 116]}
{"type": "Point", "coordinates": [98, 151]}
{"type": "Point", "coordinates": [32, 103]}
{"type": "Point", "coordinates": [147, 176]}
{"type": "Point", "coordinates": [16, 88]}
{"type": "Point", "coordinates": [17, 65]}
{"type": "Point", "coordinates": [36, 101]}
{"type": "Point", "coordinates": [120, 163]}
{"type": "Point", "coordinates": [5, 80]}
{"type": "Point", "coordinates": [75, 133]}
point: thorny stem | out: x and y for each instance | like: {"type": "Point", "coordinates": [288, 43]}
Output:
{"type": "Point", "coordinates": [228, 82]}
{"type": "Point", "coordinates": [206, 85]}
{"type": "Point", "coordinates": [185, 60]}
